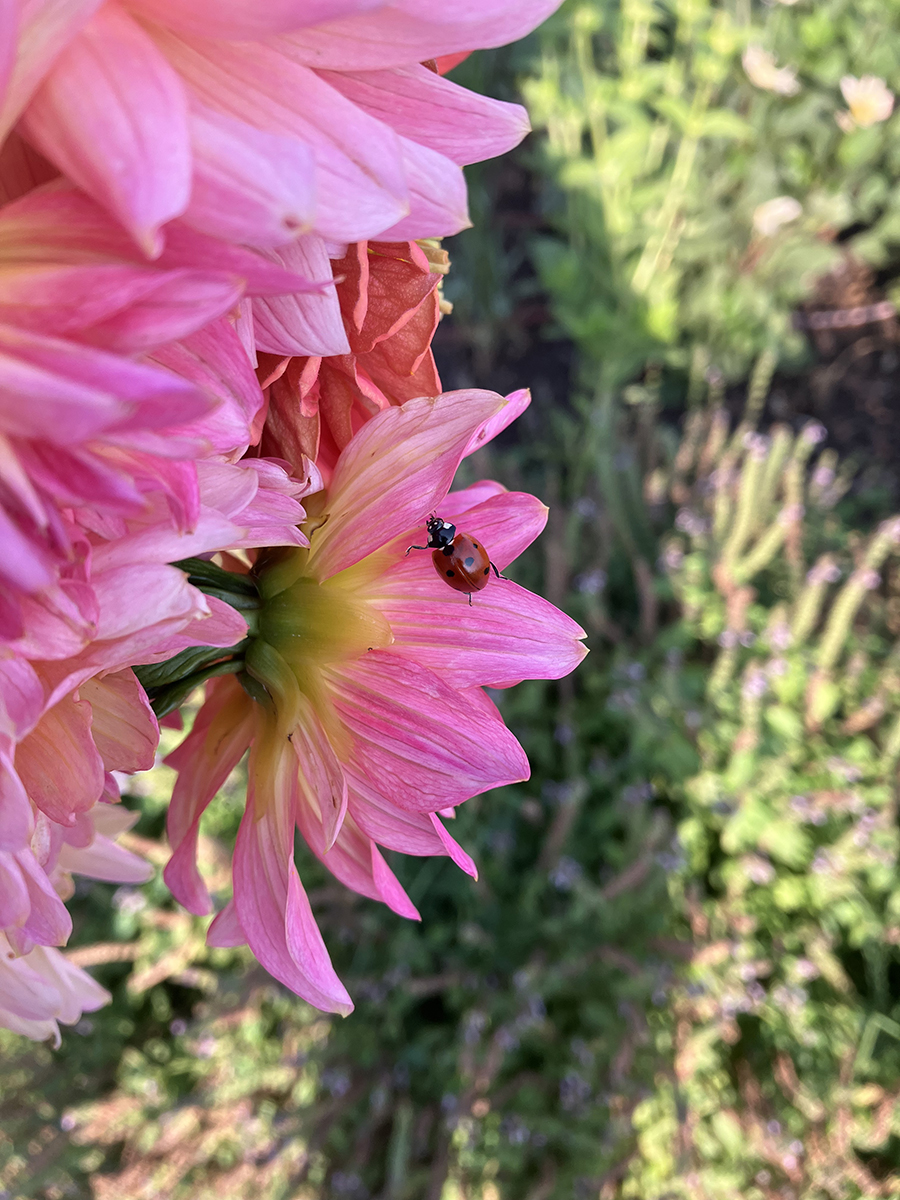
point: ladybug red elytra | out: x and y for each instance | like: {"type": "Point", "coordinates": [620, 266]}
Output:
{"type": "Point", "coordinates": [462, 563]}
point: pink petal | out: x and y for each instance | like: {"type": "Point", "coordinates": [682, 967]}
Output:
{"type": "Point", "coordinates": [225, 928]}
{"type": "Point", "coordinates": [214, 361]}
{"type": "Point", "coordinates": [423, 745]}
{"type": "Point", "coordinates": [112, 115]}
{"type": "Point", "coordinates": [240, 20]}
{"type": "Point", "coordinates": [272, 907]}
{"type": "Point", "coordinates": [236, 195]}
{"type": "Point", "coordinates": [421, 106]}
{"type": "Point", "coordinates": [516, 403]}
{"type": "Point", "coordinates": [221, 733]}
{"type": "Point", "coordinates": [396, 469]}
{"type": "Point", "coordinates": [21, 698]}
{"type": "Point", "coordinates": [46, 26]}
{"type": "Point", "coordinates": [359, 180]}
{"type": "Point", "coordinates": [437, 196]}
{"type": "Point", "coordinates": [103, 859]}
{"type": "Point", "coordinates": [415, 30]}
{"type": "Point", "coordinates": [59, 764]}
{"type": "Point", "coordinates": [15, 903]}
{"type": "Point", "coordinates": [323, 789]}
{"type": "Point", "coordinates": [505, 524]}
{"type": "Point", "coordinates": [123, 726]}
{"type": "Point", "coordinates": [23, 990]}
{"type": "Point", "coordinates": [76, 990]}
{"type": "Point", "coordinates": [453, 848]}
{"type": "Point", "coordinates": [302, 324]}
{"type": "Point", "coordinates": [507, 635]}
{"type": "Point", "coordinates": [48, 921]}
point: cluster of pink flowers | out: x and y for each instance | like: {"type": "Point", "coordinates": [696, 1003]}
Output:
{"type": "Point", "coordinates": [215, 327]}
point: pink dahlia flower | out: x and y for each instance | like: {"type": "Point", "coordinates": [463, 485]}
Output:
{"type": "Point", "coordinates": [362, 697]}
{"type": "Point", "coordinates": [257, 122]}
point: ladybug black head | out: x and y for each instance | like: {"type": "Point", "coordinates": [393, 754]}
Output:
{"type": "Point", "coordinates": [440, 533]}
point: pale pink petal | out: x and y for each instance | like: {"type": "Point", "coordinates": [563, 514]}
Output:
{"type": "Point", "coordinates": [461, 125]}
{"type": "Point", "coordinates": [298, 324]}
{"type": "Point", "coordinates": [23, 990]}
{"type": "Point", "coordinates": [123, 726]}
{"type": "Point", "coordinates": [103, 859]}
{"type": "Point", "coordinates": [76, 990]}
{"type": "Point", "coordinates": [396, 469]}
{"type": "Point", "coordinates": [240, 20]}
{"type": "Point", "coordinates": [16, 816]}
{"type": "Point", "coordinates": [359, 180]}
{"type": "Point", "coordinates": [422, 744]}
{"type": "Point", "coordinates": [438, 201]}
{"type": "Point", "coordinates": [516, 403]}
{"type": "Point", "coordinates": [236, 195]}
{"type": "Point", "coordinates": [273, 908]}
{"type": "Point", "coordinates": [220, 735]}
{"type": "Point", "coordinates": [46, 26]}
{"type": "Point", "coordinates": [59, 764]}
{"type": "Point", "coordinates": [112, 115]}
{"type": "Point", "coordinates": [403, 33]}
{"type": "Point", "coordinates": [135, 597]}
{"type": "Point", "coordinates": [48, 922]}
{"type": "Point", "coordinates": [15, 902]}
{"type": "Point", "coordinates": [21, 697]}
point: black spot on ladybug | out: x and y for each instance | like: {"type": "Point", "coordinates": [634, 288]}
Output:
{"type": "Point", "coordinates": [469, 563]}
{"type": "Point", "coordinates": [487, 570]}
{"type": "Point", "coordinates": [475, 544]}
{"type": "Point", "coordinates": [451, 573]}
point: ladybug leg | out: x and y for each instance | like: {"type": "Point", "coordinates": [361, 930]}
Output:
{"type": "Point", "coordinates": [470, 599]}
{"type": "Point", "coordinates": [408, 548]}
{"type": "Point", "coordinates": [497, 573]}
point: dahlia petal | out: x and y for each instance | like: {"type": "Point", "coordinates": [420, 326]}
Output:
{"type": "Point", "coordinates": [21, 698]}
{"type": "Point", "coordinates": [214, 360]}
{"type": "Point", "coordinates": [76, 990]}
{"type": "Point", "coordinates": [22, 990]}
{"type": "Point", "coordinates": [123, 726]}
{"type": "Point", "coordinates": [221, 733]}
{"type": "Point", "coordinates": [413, 31]}
{"type": "Point", "coordinates": [221, 626]}
{"type": "Point", "coordinates": [509, 634]}
{"type": "Point", "coordinates": [423, 745]}
{"type": "Point", "coordinates": [21, 168]}
{"type": "Point", "coordinates": [237, 19]}
{"type": "Point", "coordinates": [396, 469]}
{"type": "Point", "coordinates": [438, 200]}
{"type": "Point", "coordinates": [516, 403]}
{"type": "Point", "coordinates": [272, 907]}
{"type": "Point", "coordinates": [225, 928]}
{"type": "Point", "coordinates": [390, 826]}
{"type": "Point", "coordinates": [25, 564]}
{"type": "Point", "coordinates": [15, 903]}
{"type": "Point", "coordinates": [138, 596]}
{"type": "Point", "coordinates": [105, 860]}
{"type": "Point", "coordinates": [48, 923]}
{"type": "Point", "coordinates": [45, 28]}
{"type": "Point", "coordinates": [323, 788]}
{"type": "Point", "coordinates": [59, 764]}
{"type": "Point", "coordinates": [65, 393]}
{"type": "Point", "coordinates": [359, 180]}
{"type": "Point", "coordinates": [434, 112]}
{"type": "Point", "coordinates": [390, 889]}
{"type": "Point", "coordinates": [298, 324]}
{"type": "Point", "coordinates": [452, 848]}
{"type": "Point", "coordinates": [235, 194]}
{"type": "Point", "coordinates": [112, 115]}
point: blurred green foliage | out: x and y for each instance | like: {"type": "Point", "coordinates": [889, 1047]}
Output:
{"type": "Point", "coordinates": [678, 974]}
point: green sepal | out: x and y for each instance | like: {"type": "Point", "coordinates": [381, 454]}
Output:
{"type": "Point", "coordinates": [154, 676]}
{"type": "Point", "coordinates": [165, 699]}
{"type": "Point", "coordinates": [237, 590]}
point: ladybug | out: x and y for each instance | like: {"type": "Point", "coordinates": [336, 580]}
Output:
{"type": "Point", "coordinates": [463, 564]}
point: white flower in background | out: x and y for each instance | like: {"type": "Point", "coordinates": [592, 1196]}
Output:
{"type": "Point", "coordinates": [869, 99]}
{"type": "Point", "coordinates": [769, 217]}
{"type": "Point", "coordinates": [760, 67]}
